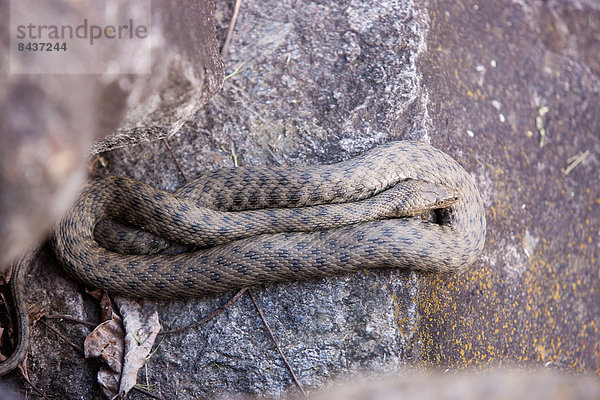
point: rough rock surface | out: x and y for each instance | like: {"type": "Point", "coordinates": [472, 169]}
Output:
{"type": "Point", "coordinates": [187, 71]}
{"type": "Point", "coordinates": [316, 83]}
{"type": "Point", "coordinates": [495, 68]}
{"type": "Point", "coordinates": [49, 121]}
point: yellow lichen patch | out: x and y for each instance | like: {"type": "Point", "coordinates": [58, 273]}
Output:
{"type": "Point", "coordinates": [487, 317]}
{"type": "Point", "coordinates": [403, 322]}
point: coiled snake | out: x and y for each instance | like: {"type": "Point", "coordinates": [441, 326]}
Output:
{"type": "Point", "coordinates": [302, 223]}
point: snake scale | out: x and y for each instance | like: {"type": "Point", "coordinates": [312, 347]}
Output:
{"type": "Point", "coordinates": [254, 225]}
{"type": "Point", "coordinates": [245, 252]}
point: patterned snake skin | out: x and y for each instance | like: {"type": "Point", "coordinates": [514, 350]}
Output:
{"type": "Point", "coordinates": [286, 235]}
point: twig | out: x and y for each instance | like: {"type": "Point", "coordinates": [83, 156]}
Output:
{"type": "Point", "coordinates": [174, 159]}
{"type": "Point", "coordinates": [35, 388]}
{"type": "Point", "coordinates": [576, 162]}
{"type": "Point", "coordinates": [225, 48]}
{"type": "Point", "coordinates": [146, 392]}
{"type": "Point", "coordinates": [208, 317]}
{"type": "Point", "coordinates": [60, 335]}
{"type": "Point", "coordinates": [272, 154]}
{"type": "Point", "coordinates": [235, 71]}
{"type": "Point", "coordinates": [285, 361]}
{"type": "Point", "coordinates": [234, 155]}
{"type": "Point", "coordinates": [70, 319]}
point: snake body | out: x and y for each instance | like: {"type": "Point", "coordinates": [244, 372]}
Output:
{"type": "Point", "coordinates": [398, 179]}
{"type": "Point", "coordinates": [270, 253]}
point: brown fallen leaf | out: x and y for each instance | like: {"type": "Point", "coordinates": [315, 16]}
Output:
{"type": "Point", "coordinates": [107, 343]}
{"type": "Point", "coordinates": [141, 326]}
{"type": "Point", "coordinates": [106, 307]}
{"type": "Point", "coordinates": [123, 350]}
{"type": "Point", "coordinates": [109, 381]}
{"type": "Point", "coordinates": [5, 275]}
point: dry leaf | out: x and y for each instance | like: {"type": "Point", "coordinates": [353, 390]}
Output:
{"type": "Point", "coordinates": [107, 343]}
{"type": "Point", "coordinates": [106, 307]}
{"type": "Point", "coordinates": [124, 354]}
{"type": "Point", "coordinates": [5, 275]}
{"type": "Point", "coordinates": [142, 326]}
{"type": "Point", "coordinates": [109, 381]}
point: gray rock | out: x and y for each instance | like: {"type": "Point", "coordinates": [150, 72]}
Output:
{"type": "Point", "coordinates": [322, 82]}
{"type": "Point", "coordinates": [49, 121]}
{"type": "Point", "coordinates": [316, 83]}
{"type": "Point", "coordinates": [492, 70]}
{"type": "Point", "coordinates": [187, 71]}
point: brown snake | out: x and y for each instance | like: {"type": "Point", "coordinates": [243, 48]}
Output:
{"type": "Point", "coordinates": [356, 228]}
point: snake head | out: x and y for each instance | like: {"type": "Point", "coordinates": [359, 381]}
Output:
{"type": "Point", "coordinates": [446, 196]}
{"type": "Point", "coordinates": [415, 197]}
